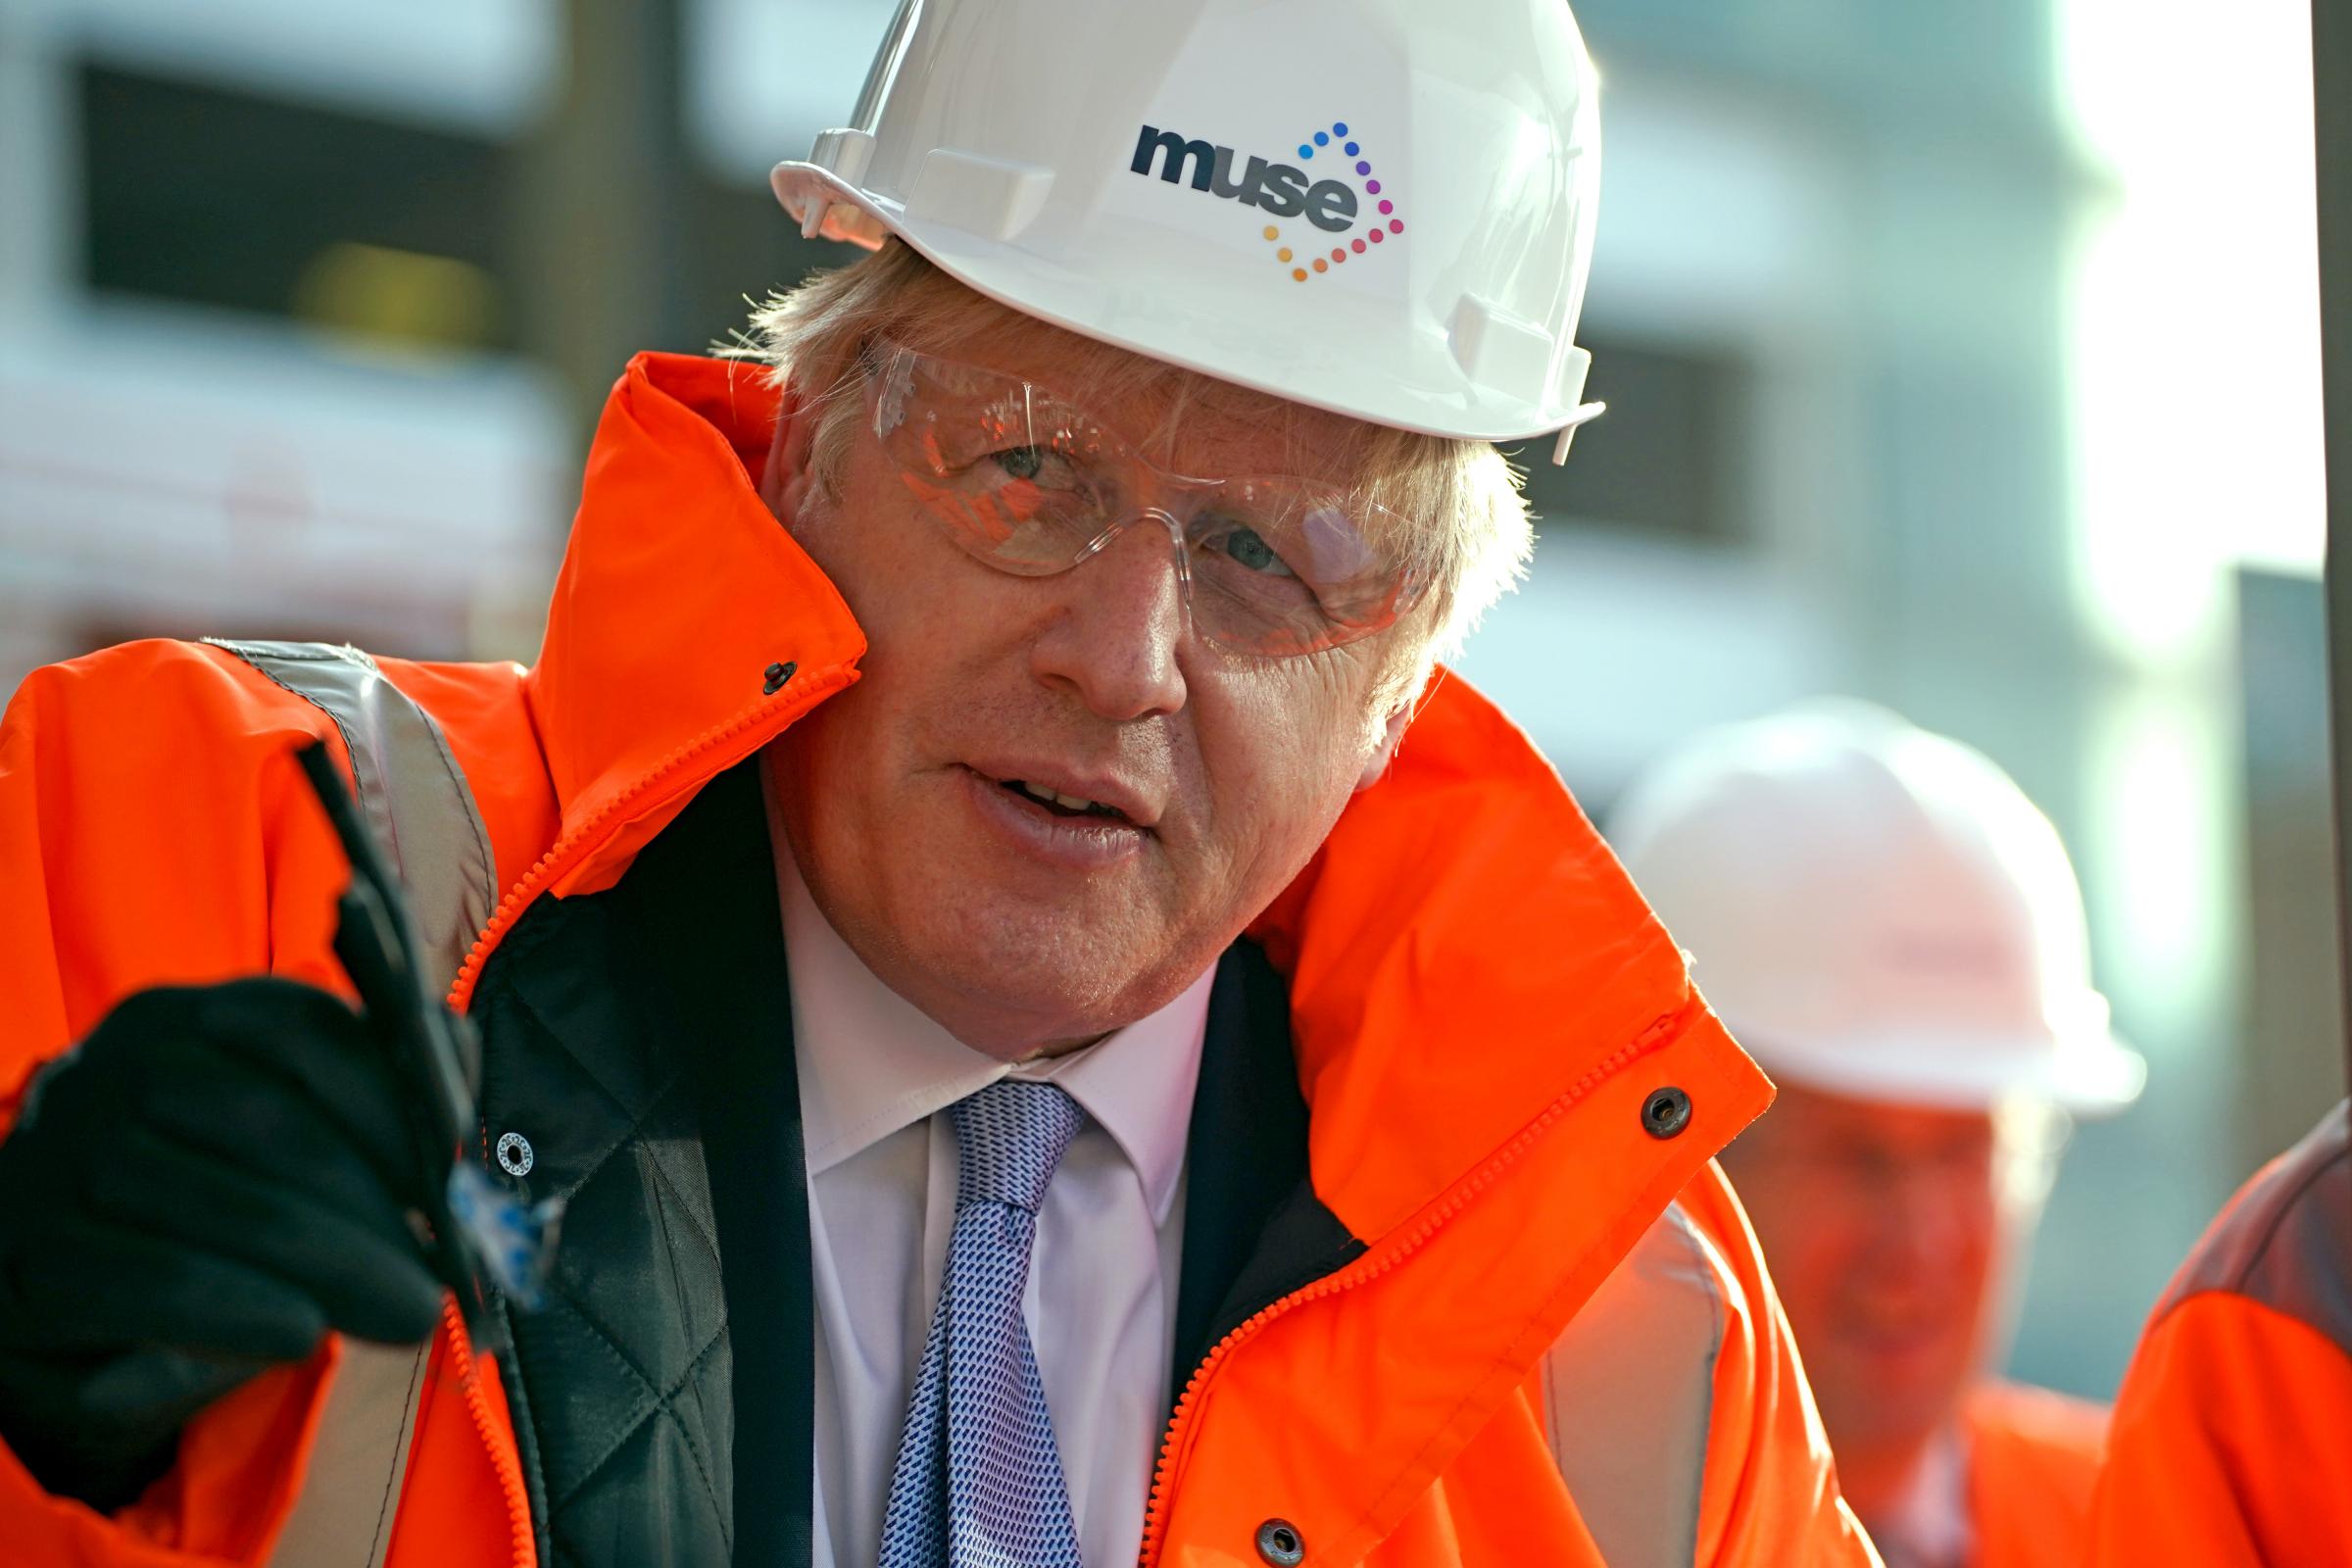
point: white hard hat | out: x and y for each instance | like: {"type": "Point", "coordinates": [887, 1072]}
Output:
{"type": "Point", "coordinates": [1378, 206]}
{"type": "Point", "coordinates": [1876, 912]}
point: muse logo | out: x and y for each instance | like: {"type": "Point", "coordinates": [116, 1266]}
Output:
{"type": "Point", "coordinates": [1282, 190]}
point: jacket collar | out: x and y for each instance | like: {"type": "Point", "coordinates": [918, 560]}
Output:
{"type": "Point", "coordinates": [678, 595]}
{"type": "Point", "coordinates": [1463, 952]}
{"type": "Point", "coordinates": [1464, 899]}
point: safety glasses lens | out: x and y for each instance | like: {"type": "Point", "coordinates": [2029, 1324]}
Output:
{"type": "Point", "coordinates": [1032, 485]}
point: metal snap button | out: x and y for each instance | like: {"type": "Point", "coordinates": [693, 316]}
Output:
{"type": "Point", "coordinates": [1280, 1543]}
{"type": "Point", "coordinates": [1666, 1112]}
{"type": "Point", "coordinates": [777, 675]}
{"type": "Point", "coordinates": [515, 1153]}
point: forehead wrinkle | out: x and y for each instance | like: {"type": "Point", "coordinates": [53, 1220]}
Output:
{"type": "Point", "coordinates": [1181, 421]}
{"type": "Point", "coordinates": [1210, 429]}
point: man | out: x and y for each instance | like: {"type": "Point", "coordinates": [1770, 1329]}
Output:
{"type": "Point", "coordinates": [1038, 1071]}
{"type": "Point", "coordinates": [1888, 923]}
{"type": "Point", "coordinates": [2233, 1430]}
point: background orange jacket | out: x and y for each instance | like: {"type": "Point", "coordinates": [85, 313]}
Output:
{"type": "Point", "coordinates": [2032, 1460]}
{"type": "Point", "coordinates": [1482, 1008]}
{"type": "Point", "coordinates": [2231, 1446]}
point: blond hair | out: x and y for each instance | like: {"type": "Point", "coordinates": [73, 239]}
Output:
{"type": "Point", "coordinates": [1478, 548]}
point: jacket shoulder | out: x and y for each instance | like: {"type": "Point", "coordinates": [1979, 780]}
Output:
{"type": "Point", "coordinates": [2041, 1421]}
{"type": "Point", "coordinates": [144, 737]}
{"type": "Point", "coordinates": [193, 712]}
{"type": "Point", "coordinates": [2230, 1435]}
{"type": "Point", "coordinates": [154, 830]}
{"type": "Point", "coordinates": [2286, 1240]}
{"type": "Point", "coordinates": [2033, 1458]}
{"type": "Point", "coordinates": [194, 691]}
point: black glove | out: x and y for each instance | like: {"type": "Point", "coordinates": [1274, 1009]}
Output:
{"type": "Point", "coordinates": [199, 1191]}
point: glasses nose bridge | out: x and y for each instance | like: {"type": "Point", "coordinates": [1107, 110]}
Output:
{"type": "Point", "coordinates": [1167, 520]}
{"type": "Point", "coordinates": [1164, 496]}
{"type": "Point", "coordinates": [1144, 514]}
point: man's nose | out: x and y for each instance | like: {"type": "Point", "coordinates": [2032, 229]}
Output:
{"type": "Point", "coordinates": [1926, 1210]}
{"type": "Point", "coordinates": [1122, 622]}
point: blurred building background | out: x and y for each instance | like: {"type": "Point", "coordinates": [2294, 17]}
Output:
{"type": "Point", "coordinates": [1962, 354]}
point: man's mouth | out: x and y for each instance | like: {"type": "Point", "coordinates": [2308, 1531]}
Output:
{"type": "Point", "coordinates": [1062, 804]}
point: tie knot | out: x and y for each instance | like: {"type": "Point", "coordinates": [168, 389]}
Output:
{"type": "Point", "coordinates": [1008, 1138]}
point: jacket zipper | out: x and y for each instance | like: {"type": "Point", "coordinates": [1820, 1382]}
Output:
{"type": "Point", "coordinates": [524, 1543]}
{"type": "Point", "coordinates": [1371, 1267]}
{"type": "Point", "coordinates": [459, 1345]}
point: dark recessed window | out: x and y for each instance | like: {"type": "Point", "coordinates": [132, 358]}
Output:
{"type": "Point", "coordinates": [213, 196]}
{"type": "Point", "coordinates": [1665, 459]}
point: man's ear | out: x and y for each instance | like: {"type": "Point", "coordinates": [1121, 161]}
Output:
{"type": "Point", "coordinates": [789, 475]}
{"type": "Point", "coordinates": [1386, 753]}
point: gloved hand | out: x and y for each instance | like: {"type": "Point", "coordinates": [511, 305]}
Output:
{"type": "Point", "coordinates": [203, 1188]}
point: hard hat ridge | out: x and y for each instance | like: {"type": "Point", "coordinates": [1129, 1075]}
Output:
{"type": "Point", "coordinates": [1400, 233]}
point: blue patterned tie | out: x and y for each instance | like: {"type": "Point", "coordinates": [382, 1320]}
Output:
{"type": "Point", "coordinates": [979, 1483]}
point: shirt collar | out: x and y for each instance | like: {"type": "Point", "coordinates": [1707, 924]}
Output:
{"type": "Point", "coordinates": [871, 1063]}
{"type": "Point", "coordinates": [1928, 1525]}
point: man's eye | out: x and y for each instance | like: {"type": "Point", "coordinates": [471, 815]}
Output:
{"type": "Point", "coordinates": [1022, 462]}
{"type": "Point", "coordinates": [1247, 547]}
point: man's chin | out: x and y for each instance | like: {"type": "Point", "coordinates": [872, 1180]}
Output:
{"type": "Point", "coordinates": [1903, 1391]}
{"type": "Point", "coordinates": [1877, 1420]}
{"type": "Point", "coordinates": [1021, 982]}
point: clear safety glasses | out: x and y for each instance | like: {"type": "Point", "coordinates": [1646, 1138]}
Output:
{"type": "Point", "coordinates": [1271, 566]}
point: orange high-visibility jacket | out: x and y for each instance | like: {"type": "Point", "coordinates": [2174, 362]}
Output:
{"type": "Point", "coordinates": [2032, 1459]}
{"type": "Point", "coordinates": [1482, 1008]}
{"type": "Point", "coordinates": [2231, 1444]}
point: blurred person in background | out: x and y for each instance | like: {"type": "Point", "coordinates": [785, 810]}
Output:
{"type": "Point", "coordinates": [2232, 1441]}
{"type": "Point", "coordinates": [1881, 916]}
{"type": "Point", "coordinates": [953, 910]}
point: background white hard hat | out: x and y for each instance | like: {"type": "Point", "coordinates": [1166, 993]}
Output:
{"type": "Point", "coordinates": [1003, 139]}
{"type": "Point", "coordinates": [1876, 911]}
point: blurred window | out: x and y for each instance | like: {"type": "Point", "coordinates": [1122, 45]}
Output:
{"type": "Point", "coordinates": [213, 196]}
{"type": "Point", "coordinates": [1666, 458]}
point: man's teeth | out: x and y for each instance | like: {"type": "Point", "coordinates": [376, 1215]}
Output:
{"type": "Point", "coordinates": [1038, 792]}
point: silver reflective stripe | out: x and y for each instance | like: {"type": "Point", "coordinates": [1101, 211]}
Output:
{"type": "Point", "coordinates": [417, 803]}
{"type": "Point", "coordinates": [1628, 1394]}
{"type": "Point", "coordinates": [343, 1518]}
{"type": "Point", "coordinates": [410, 789]}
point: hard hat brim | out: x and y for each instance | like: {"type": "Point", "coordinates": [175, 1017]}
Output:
{"type": "Point", "coordinates": [2090, 1075]}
